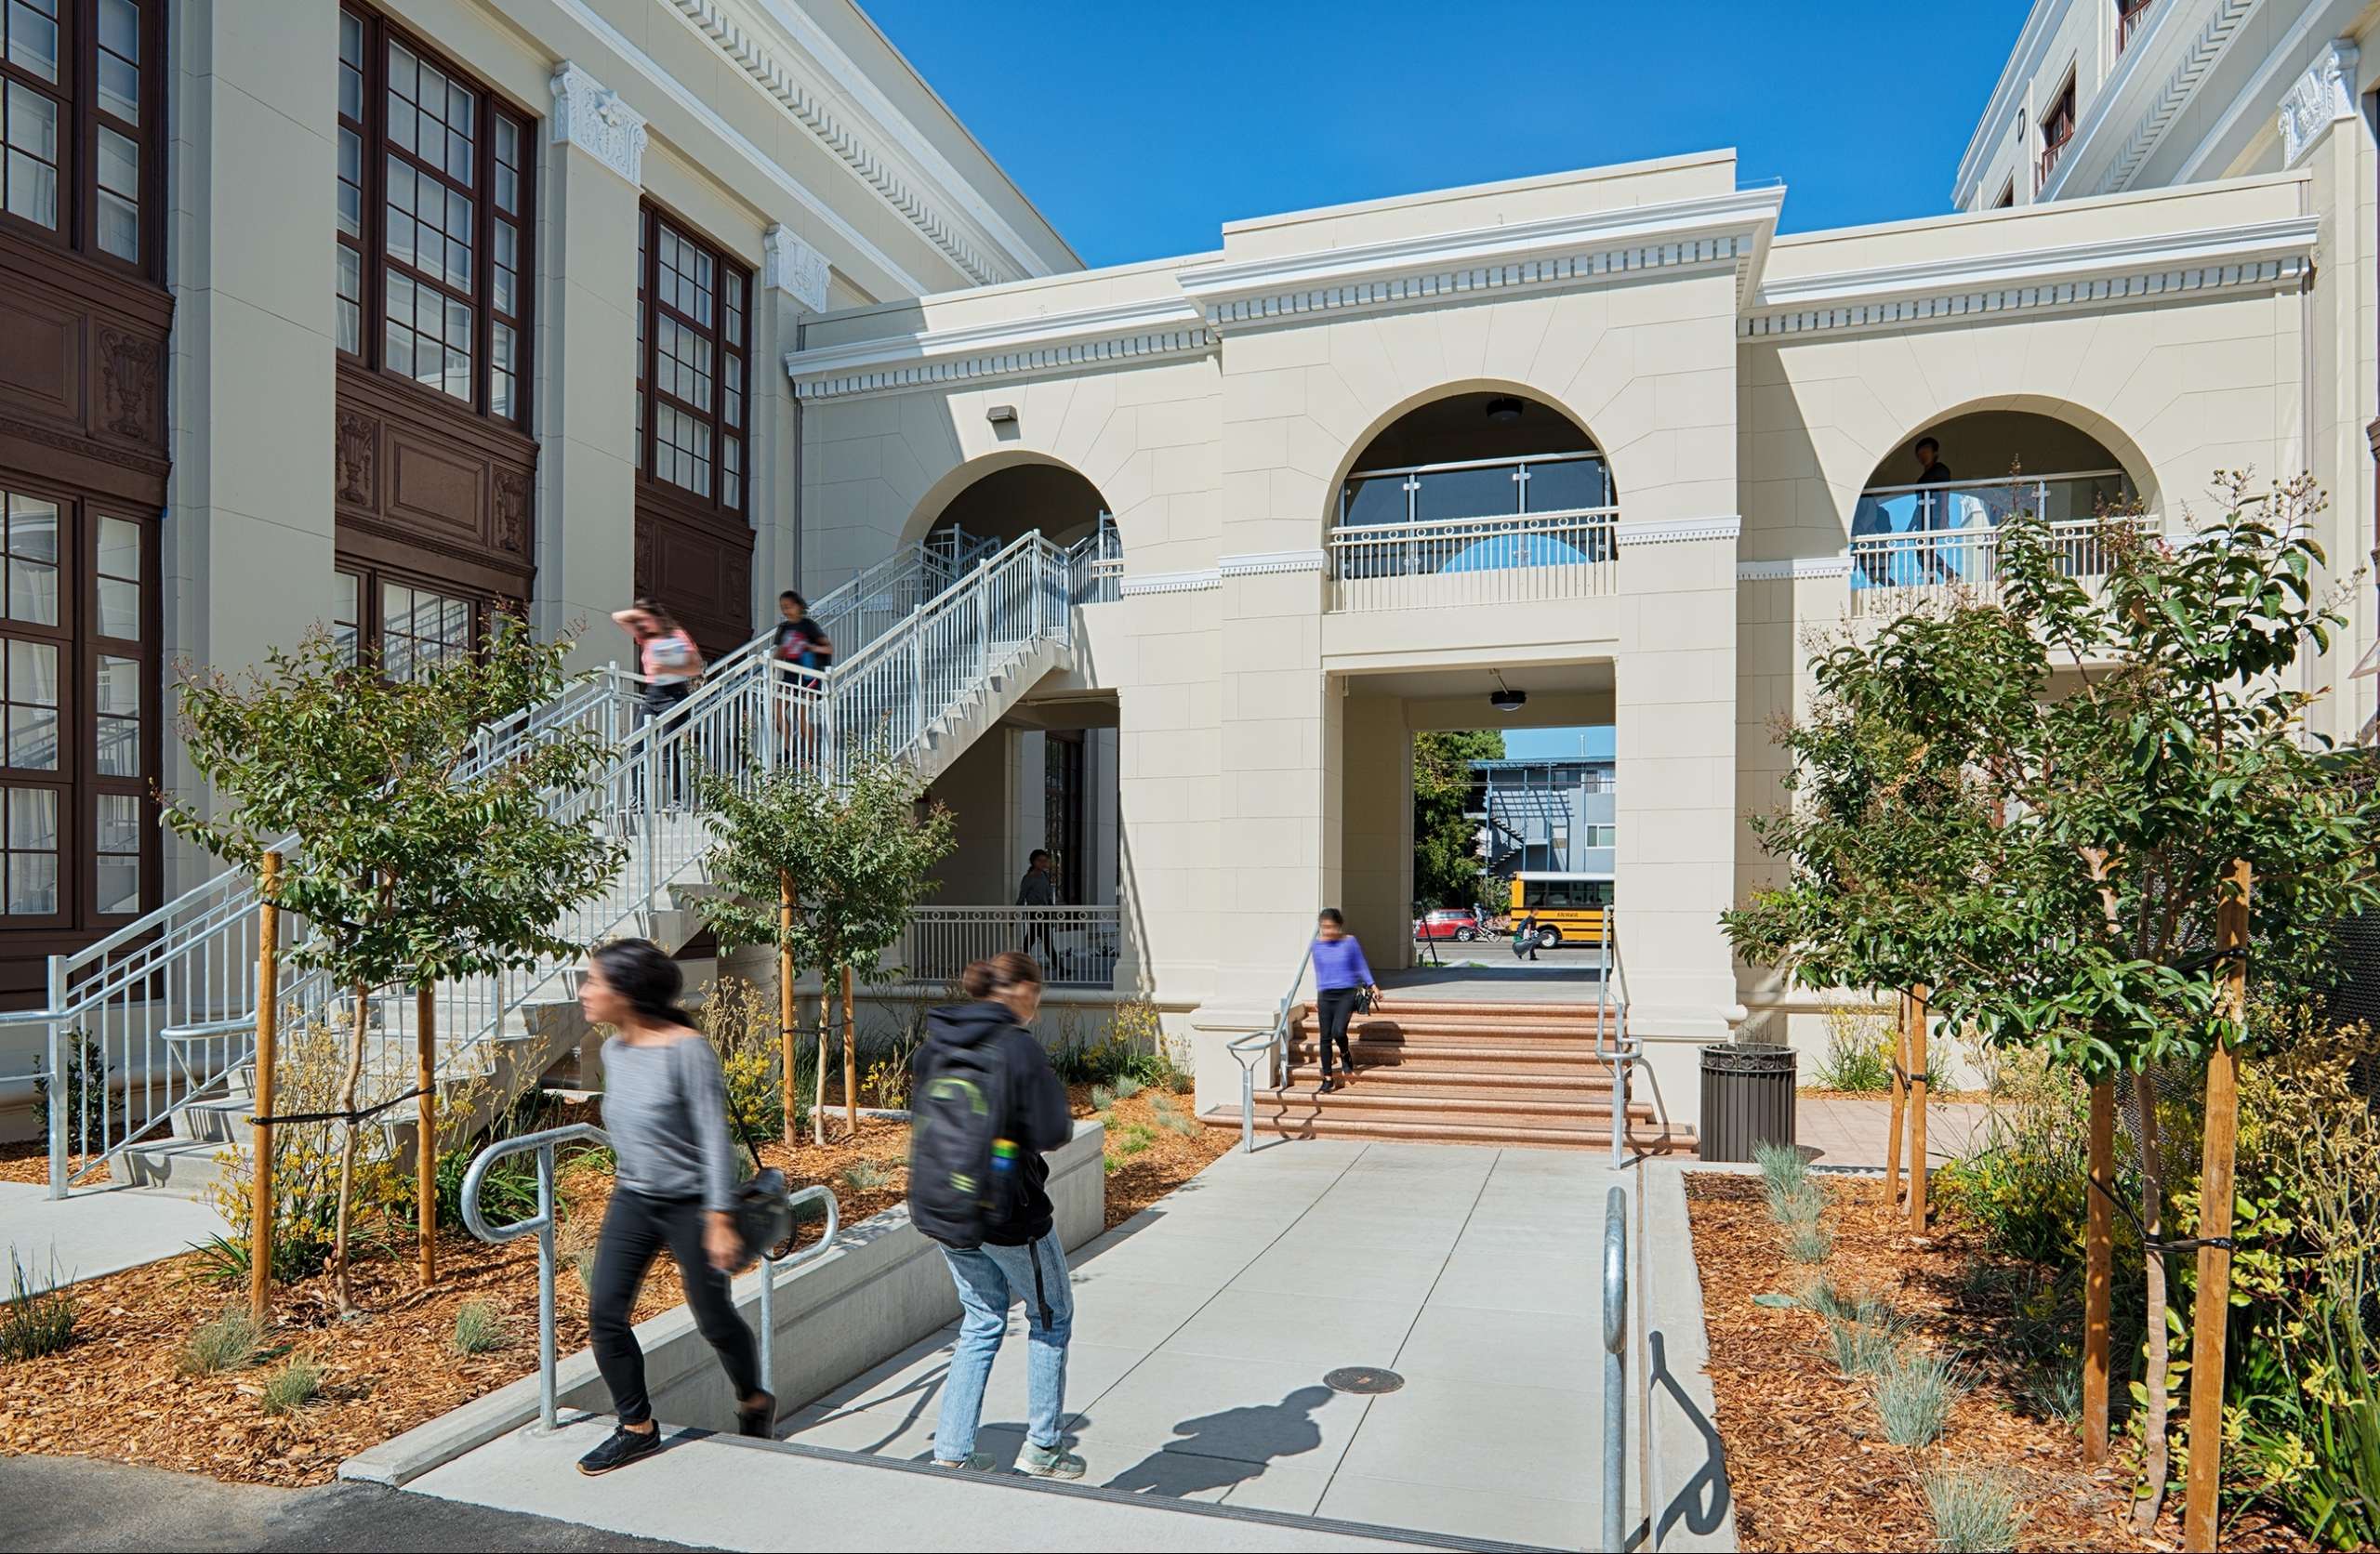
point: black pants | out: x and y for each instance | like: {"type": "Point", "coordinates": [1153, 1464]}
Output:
{"type": "Point", "coordinates": [659, 703]}
{"type": "Point", "coordinates": [635, 1228]}
{"type": "Point", "coordinates": [1336, 1006]}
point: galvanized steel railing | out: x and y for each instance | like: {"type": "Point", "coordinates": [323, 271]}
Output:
{"type": "Point", "coordinates": [1508, 558]}
{"type": "Point", "coordinates": [1271, 1048]}
{"type": "Point", "coordinates": [1077, 946]}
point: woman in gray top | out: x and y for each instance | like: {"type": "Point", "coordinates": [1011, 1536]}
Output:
{"type": "Point", "coordinates": [665, 1106]}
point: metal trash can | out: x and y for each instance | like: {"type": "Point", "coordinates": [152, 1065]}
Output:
{"type": "Point", "coordinates": [1747, 1098]}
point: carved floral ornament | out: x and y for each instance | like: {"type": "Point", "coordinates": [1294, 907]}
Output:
{"type": "Point", "coordinates": [129, 370]}
{"type": "Point", "coordinates": [793, 267]}
{"type": "Point", "coordinates": [590, 116]}
{"type": "Point", "coordinates": [2321, 97]}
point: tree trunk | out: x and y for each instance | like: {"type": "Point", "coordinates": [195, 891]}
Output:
{"type": "Point", "coordinates": [346, 1161]}
{"type": "Point", "coordinates": [2209, 1325]}
{"type": "Point", "coordinates": [2153, 1463]}
{"type": "Point", "coordinates": [788, 1027]}
{"type": "Point", "coordinates": [1901, 1112]}
{"type": "Point", "coordinates": [424, 1038]}
{"type": "Point", "coordinates": [818, 1080]}
{"type": "Point", "coordinates": [2098, 1271]}
{"type": "Point", "coordinates": [267, 1057]}
{"type": "Point", "coordinates": [1917, 1061]}
{"type": "Point", "coordinates": [851, 1063]}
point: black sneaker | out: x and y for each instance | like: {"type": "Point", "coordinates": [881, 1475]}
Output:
{"type": "Point", "coordinates": [620, 1448]}
{"type": "Point", "coordinates": [760, 1421]}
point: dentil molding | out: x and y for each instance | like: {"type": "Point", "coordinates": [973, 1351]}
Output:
{"type": "Point", "coordinates": [1795, 569]}
{"type": "Point", "coordinates": [591, 116]}
{"type": "Point", "coordinates": [1171, 583]}
{"type": "Point", "coordinates": [1258, 563]}
{"type": "Point", "coordinates": [1680, 531]}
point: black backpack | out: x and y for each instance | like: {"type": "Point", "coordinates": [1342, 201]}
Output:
{"type": "Point", "coordinates": [958, 1107]}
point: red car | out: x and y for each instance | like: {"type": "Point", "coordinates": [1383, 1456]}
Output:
{"type": "Point", "coordinates": [1462, 923]}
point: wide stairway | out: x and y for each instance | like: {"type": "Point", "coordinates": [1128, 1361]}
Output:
{"type": "Point", "coordinates": [1444, 1070]}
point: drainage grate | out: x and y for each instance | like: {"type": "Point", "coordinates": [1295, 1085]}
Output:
{"type": "Point", "coordinates": [1363, 1378]}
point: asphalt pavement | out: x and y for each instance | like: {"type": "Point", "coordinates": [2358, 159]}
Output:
{"type": "Point", "coordinates": [74, 1504]}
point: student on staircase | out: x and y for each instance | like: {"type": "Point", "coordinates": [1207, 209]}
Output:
{"type": "Point", "coordinates": [1341, 976]}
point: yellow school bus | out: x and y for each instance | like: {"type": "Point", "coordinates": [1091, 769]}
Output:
{"type": "Point", "coordinates": [1567, 906]}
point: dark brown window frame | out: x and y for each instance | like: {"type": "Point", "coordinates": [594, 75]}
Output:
{"type": "Point", "coordinates": [371, 627]}
{"type": "Point", "coordinates": [80, 118]}
{"type": "Point", "coordinates": [651, 218]}
{"type": "Point", "coordinates": [370, 243]}
{"type": "Point", "coordinates": [2062, 107]}
{"type": "Point", "coordinates": [77, 780]}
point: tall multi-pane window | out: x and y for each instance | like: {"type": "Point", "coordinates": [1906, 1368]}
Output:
{"type": "Point", "coordinates": [413, 625]}
{"type": "Point", "coordinates": [2057, 128]}
{"type": "Point", "coordinates": [692, 364]}
{"type": "Point", "coordinates": [433, 220]}
{"type": "Point", "coordinates": [77, 674]}
{"type": "Point", "coordinates": [79, 106]}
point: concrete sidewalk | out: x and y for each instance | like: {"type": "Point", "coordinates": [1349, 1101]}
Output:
{"type": "Point", "coordinates": [102, 1230]}
{"type": "Point", "coordinates": [1847, 1131]}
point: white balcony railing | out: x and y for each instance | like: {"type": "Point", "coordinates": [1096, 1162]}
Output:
{"type": "Point", "coordinates": [1889, 573]}
{"type": "Point", "coordinates": [1076, 947]}
{"type": "Point", "coordinates": [1508, 558]}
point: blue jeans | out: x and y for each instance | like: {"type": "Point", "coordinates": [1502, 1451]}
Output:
{"type": "Point", "coordinates": [988, 1279]}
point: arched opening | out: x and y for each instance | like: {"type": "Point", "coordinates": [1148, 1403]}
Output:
{"type": "Point", "coordinates": [1929, 512]}
{"type": "Point", "coordinates": [1483, 482]}
{"type": "Point", "coordinates": [1004, 504]}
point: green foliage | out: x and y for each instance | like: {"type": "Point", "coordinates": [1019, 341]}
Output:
{"type": "Point", "coordinates": [419, 861]}
{"type": "Point", "coordinates": [866, 1175]}
{"type": "Point", "coordinates": [2051, 865]}
{"type": "Point", "coordinates": [1132, 1139]}
{"type": "Point", "coordinates": [1446, 848]}
{"type": "Point", "coordinates": [1861, 1348]}
{"type": "Point", "coordinates": [230, 1342]}
{"type": "Point", "coordinates": [1975, 1511]}
{"type": "Point", "coordinates": [1171, 1117]}
{"type": "Point", "coordinates": [1102, 1097]}
{"type": "Point", "coordinates": [35, 1322]}
{"type": "Point", "coordinates": [740, 1018]}
{"type": "Point", "coordinates": [1809, 1242]}
{"type": "Point", "coordinates": [479, 1329]}
{"type": "Point", "coordinates": [1795, 1198]}
{"type": "Point", "coordinates": [1782, 1166]}
{"type": "Point", "coordinates": [1127, 1087]}
{"type": "Point", "coordinates": [87, 1079]}
{"type": "Point", "coordinates": [296, 1383]}
{"type": "Point", "coordinates": [1914, 1396]}
{"type": "Point", "coordinates": [856, 848]}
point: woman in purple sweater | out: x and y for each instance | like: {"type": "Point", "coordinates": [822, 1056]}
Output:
{"type": "Point", "coordinates": [1340, 973]}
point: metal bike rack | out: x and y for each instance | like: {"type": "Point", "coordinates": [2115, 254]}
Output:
{"type": "Point", "coordinates": [542, 1227]}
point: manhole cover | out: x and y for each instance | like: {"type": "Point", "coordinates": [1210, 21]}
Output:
{"type": "Point", "coordinates": [1363, 1378]}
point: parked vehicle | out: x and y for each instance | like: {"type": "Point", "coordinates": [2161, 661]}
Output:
{"type": "Point", "coordinates": [1569, 907]}
{"type": "Point", "coordinates": [1462, 924]}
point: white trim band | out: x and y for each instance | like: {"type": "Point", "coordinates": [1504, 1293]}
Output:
{"type": "Point", "coordinates": [1730, 228]}
{"type": "Point", "coordinates": [1171, 583]}
{"type": "Point", "coordinates": [1258, 563]}
{"type": "Point", "coordinates": [1796, 569]}
{"type": "Point", "coordinates": [1164, 327]}
{"type": "Point", "coordinates": [1679, 530]}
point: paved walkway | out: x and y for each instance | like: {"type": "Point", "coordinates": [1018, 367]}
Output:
{"type": "Point", "coordinates": [1204, 1327]}
{"type": "Point", "coordinates": [97, 1232]}
{"type": "Point", "coordinates": [1854, 1132]}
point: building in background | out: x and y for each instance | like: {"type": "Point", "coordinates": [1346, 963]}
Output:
{"type": "Point", "coordinates": [1548, 814]}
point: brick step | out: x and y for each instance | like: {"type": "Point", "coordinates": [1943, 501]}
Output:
{"type": "Point", "coordinates": [1583, 1007]}
{"type": "Point", "coordinates": [1580, 1038]}
{"type": "Point", "coordinates": [1651, 1138]}
{"type": "Point", "coordinates": [1427, 1079]}
{"type": "Point", "coordinates": [1531, 1111]}
{"type": "Point", "coordinates": [1458, 1018]}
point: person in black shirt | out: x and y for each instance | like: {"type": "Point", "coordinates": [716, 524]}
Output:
{"type": "Point", "coordinates": [803, 643]}
{"type": "Point", "coordinates": [1934, 512]}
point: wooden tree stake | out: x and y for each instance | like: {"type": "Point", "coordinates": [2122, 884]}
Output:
{"type": "Point", "coordinates": [2214, 1224]}
{"type": "Point", "coordinates": [2098, 1271]}
{"type": "Point", "coordinates": [260, 1133]}
{"type": "Point", "coordinates": [1917, 1172]}
{"type": "Point", "coordinates": [1900, 1102]}
{"type": "Point", "coordinates": [425, 1036]}
{"type": "Point", "coordinates": [851, 1062]}
{"type": "Point", "coordinates": [787, 1024]}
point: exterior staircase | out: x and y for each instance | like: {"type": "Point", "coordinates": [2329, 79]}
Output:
{"type": "Point", "coordinates": [1441, 1070]}
{"type": "Point", "coordinates": [171, 999]}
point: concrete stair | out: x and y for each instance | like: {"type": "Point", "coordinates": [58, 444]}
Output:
{"type": "Point", "coordinates": [1439, 1070]}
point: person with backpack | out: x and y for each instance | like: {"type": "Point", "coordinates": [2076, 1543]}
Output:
{"type": "Point", "coordinates": [802, 642]}
{"type": "Point", "coordinates": [984, 1108]}
{"type": "Point", "coordinates": [665, 1105]}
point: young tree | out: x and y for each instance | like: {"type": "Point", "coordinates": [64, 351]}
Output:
{"type": "Point", "coordinates": [2037, 803]}
{"type": "Point", "coordinates": [417, 861]}
{"type": "Point", "coordinates": [1446, 848]}
{"type": "Point", "coordinates": [854, 854]}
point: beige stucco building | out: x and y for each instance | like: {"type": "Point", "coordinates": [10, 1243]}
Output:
{"type": "Point", "coordinates": [1604, 438]}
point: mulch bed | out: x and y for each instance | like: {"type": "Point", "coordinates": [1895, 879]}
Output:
{"type": "Point", "coordinates": [1807, 1458]}
{"type": "Point", "coordinates": [27, 1162]}
{"type": "Point", "coordinates": [116, 1393]}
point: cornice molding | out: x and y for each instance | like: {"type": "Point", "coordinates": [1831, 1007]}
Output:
{"type": "Point", "coordinates": [794, 268]}
{"type": "Point", "coordinates": [589, 116]}
{"type": "Point", "coordinates": [1257, 563]}
{"type": "Point", "coordinates": [2266, 253]}
{"type": "Point", "coordinates": [1725, 229]}
{"type": "Point", "coordinates": [2138, 96]}
{"type": "Point", "coordinates": [804, 98]}
{"type": "Point", "coordinates": [2323, 96]}
{"type": "Point", "coordinates": [1171, 583]}
{"type": "Point", "coordinates": [1007, 347]}
{"type": "Point", "coordinates": [1797, 569]}
{"type": "Point", "coordinates": [1680, 531]}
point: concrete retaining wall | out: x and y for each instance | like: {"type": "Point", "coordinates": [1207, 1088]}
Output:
{"type": "Point", "coordinates": [882, 1288]}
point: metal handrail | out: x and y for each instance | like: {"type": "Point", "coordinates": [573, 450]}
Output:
{"type": "Point", "coordinates": [1991, 484]}
{"type": "Point", "coordinates": [1615, 1366]}
{"type": "Point", "coordinates": [771, 1267]}
{"type": "Point", "coordinates": [1275, 1042]}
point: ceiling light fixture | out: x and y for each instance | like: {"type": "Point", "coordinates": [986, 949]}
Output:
{"type": "Point", "coordinates": [1504, 698]}
{"type": "Point", "coordinates": [1504, 407]}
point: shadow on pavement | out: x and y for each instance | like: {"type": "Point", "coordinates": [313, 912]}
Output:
{"type": "Point", "coordinates": [1216, 1450]}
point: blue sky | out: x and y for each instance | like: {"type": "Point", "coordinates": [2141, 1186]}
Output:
{"type": "Point", "coordinates": [1140, 129]}
{"type": "Point", "coordinates": [1536, 742]}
